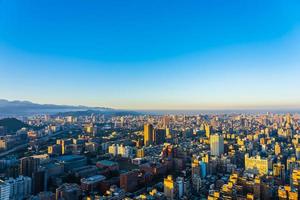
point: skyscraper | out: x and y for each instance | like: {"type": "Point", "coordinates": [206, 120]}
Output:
{"type": "Point", "coordinates": [148, 134]}
{"type": "Point", "coordinates": [159, 136]}
{"type": "Point", "coordinates": [4, 190]}
{"type": "Point", "coordinates": [39, 180]}
{"type": "Point", "coordinates": [28, 166]}
{"type": "Point", "coordinates": [169, 187]}
{"type": "Point", "coordinates": [207, 130]}
{"type": "Point", "coordinates": [63, 143]}
{"type": "Point", "coordinates": [216, 145]}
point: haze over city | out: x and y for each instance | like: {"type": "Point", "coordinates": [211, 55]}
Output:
{"type": "Point", "coordinates": [151, 54]}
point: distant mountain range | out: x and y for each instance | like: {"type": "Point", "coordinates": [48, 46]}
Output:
{"type": "Point", "coordinates": [25, 108]}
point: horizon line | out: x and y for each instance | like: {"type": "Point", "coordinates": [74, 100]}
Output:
{"type": "Point", "coordinates": [238, 107]}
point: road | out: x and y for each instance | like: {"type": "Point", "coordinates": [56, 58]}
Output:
{"type": "Point", "coordinates": [23, 146]}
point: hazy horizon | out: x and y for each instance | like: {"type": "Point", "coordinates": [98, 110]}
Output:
{"type": "Point", "coordinates": [204, 109]}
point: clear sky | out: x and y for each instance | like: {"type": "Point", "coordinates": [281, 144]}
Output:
{"type": "Point", "coordinates": [151, 54]}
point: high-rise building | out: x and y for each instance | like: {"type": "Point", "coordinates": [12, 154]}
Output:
{"type": "Point", "coordinates": [89, 128]}
{"type": "Point", "coordinates": [279, 171]}
{"type": "Point", "coordinates": [196, 182]}
{"type": "Point", "coordinates": [140, 153]}
{"type": "Point", "coordinates": [216, 145]}
{"type": "Point", "coordinates": [68, 191]}
{"type": "Point", "coordinates": [20, 187]}
{"type": "Point", "coordinates": [207, 130]}
{"type": "Point", "coordinates": [148, 134]}
{"type": "Point", "coordinates": [55, 149]}
{"type": "Point", "coordinates": [4, 190]}
{"type": "Point", "coordinates": [298, 152]}
{"type": "Point", "coordinates": [168, 133]}
{"type": "Point", "coordinates": [159, 136]}
{"type": "Point", "coordinates": [39, 180]}
{"type": "Point", "coordinates": [28, 165]}
{"type": "Point", "coordinates": [63, 144]}
{"type": "Point", "coordinates": [277, 149]}
{"type": "Point", "coordinates": [91, 183]}
{"type": "Point", "coordinates": [286, 192]}
{"type": "Point", "coordinates": [195, 168]}
{"type": "Point", "coordinates": [120, 150]}
{"type": "Point", "coordinates": [129, 180]}
{"type": "Point", "coordinates": [261, 165]}
{"type": "Point", "coordinates": [113, 149]}
{"type": "Point", "coordinates": [169, 188]}
{"type": "Point", "coordinates": [180, 187]}
{"type": "Point", "coordinates": [295, 178]}
{"type": "Point", "coordinates": [166, 121]}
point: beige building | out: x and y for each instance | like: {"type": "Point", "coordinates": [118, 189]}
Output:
{"type": "Point", "coordinates": [262, 165]}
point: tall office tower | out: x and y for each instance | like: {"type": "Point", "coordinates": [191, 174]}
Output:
{"type": "Point", "coordinates": [179, 187]}
{"type": "Point", "coordinates": [4, 190]}
{"type": "Point", "coordinates": [39, 180]}
{"type": "Point", "coordinates": [129, 180]}
{"type": "Point", "coordinates": [216, 145]}
{"type": "Point", "coordinates": [68, 191]}
{"type": "Point", "coordinates": [148, 134]}
{"type": "Point", "coordinates": [63, 144]}
{"type": "Point", "coordinates": [195, 167]}
{"type": "Point", "coordinates": [168, 133]}
{"type": "Point", "coordinates": [169, 187]}
{"type": "Point", "coordinates": [288, 118]}
{"type": "Point", "coordinates": [207, 130]}
{"type": "Point", "coordinates": [298, 152]}
{"type": "Point", "coordinates": [198, 168]}
{"type": "Point", "coordinates": [28, 165]}
{"type": "Point", "coordinates": [140, 153]}
{"type": "Point", "coordinates": [159, 136]}
{"type": "Point", "coordinates": [166, 121]}
{"type": "Point", "coordinates": [279, 171]}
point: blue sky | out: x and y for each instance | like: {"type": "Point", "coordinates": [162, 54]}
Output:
{"type": "Point", "coordinates": [151, 54]}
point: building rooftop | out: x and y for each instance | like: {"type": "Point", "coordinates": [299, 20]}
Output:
{"type": "Point", "coordinates": [107, 162]}
{"type": "Point", "coordinates": [93, 179]}
{"type": "Point", "coordinates": [69, 158]}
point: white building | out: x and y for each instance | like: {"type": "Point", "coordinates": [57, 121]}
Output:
{"type": "Point", "coordinates": [19, 188]}
{"type": "Point", "coordinates": [4, 190]}
{"type": "Point", "coordinates": [216, 145]}
{"type": "Point", "coordinates": [121, 150]}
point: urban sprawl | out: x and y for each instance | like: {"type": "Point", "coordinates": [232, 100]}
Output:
{"type": "Point", "coordinates": [151, 157]}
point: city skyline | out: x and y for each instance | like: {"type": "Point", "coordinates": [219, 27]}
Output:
{"type": "Point", "coordinates": [200, 55]}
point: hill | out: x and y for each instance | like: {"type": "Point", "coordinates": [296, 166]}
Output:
{"type": "Point", "coordinates": [12, 124]}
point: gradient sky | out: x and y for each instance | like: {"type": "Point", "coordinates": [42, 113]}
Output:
{"type": "Point", "coordinates": [151, 54]}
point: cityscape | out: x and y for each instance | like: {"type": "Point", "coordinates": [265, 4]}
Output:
{"type": "Point", "coordinates": [93, 155]}
{"type": "Point", "coordinates": [149, 100]}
